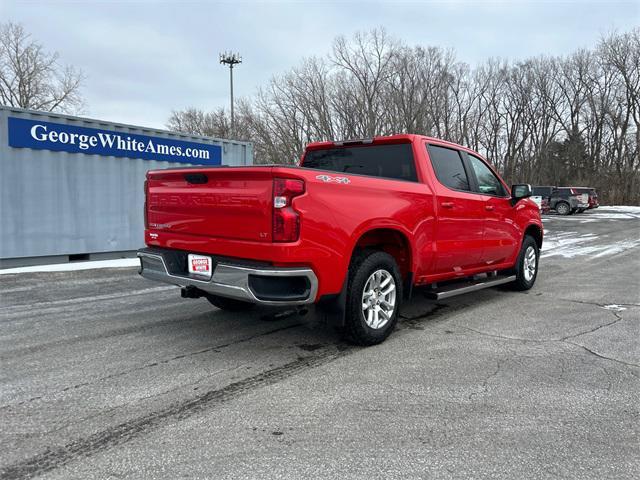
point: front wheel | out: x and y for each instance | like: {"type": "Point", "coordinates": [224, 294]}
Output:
{"type": "Point", "coordinates": [527, 265]}
{"type": "Point", "coordinates": [374, 295]}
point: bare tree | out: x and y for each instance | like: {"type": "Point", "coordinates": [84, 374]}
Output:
{"type": "Point", "coordinates": [32, 78]}
{"type": "Point", "coordinates": [197, 122]}
{"type": "Point", "coordinates": [364, 66]}
{"type": "Point", "coordinates": [621, 52]}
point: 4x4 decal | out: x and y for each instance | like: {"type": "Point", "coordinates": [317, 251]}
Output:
{"type": "Point", "coordinates": [330, 179]}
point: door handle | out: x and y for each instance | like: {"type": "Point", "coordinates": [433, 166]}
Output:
{"type": "Point", "coordinates": [488, 207]}
{"type": "Point", "coordinates": [447, 204]}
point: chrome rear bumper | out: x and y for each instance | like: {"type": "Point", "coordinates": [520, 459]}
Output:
{"type": "Point", "coordinates": [238, 281]}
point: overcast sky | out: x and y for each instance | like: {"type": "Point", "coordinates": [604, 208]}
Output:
{"type": "Point", "coordinates": [144, 59]}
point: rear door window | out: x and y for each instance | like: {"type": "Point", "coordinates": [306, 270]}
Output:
{"type": "Point", "coordinates": [386, 161]}
{"type": "Point", "coordinates": [447, 163]}
{"type": "Point", "coordinates": [488, 183]}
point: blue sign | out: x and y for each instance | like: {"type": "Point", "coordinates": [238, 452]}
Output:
{"type": "Point", "coordinates": [59, 137]}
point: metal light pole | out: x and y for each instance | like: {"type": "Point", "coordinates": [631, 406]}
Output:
{"type": "Point", "coordinates": [231, 59]}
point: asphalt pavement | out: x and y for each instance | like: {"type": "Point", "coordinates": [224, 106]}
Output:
{"type": "Point", "coordinates": [107, 375]}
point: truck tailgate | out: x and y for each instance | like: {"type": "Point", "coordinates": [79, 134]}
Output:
{"type": "Point", "coordinates": [225, 202]}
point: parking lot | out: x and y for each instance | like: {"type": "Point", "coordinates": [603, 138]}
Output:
{"type": "Point", "coordinates": [106, 375]}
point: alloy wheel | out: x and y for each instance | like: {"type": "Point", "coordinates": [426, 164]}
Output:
{"type": "Point", "coordinates": [530, 263]}
{"type": "Point", "coordinates": [379, 299]}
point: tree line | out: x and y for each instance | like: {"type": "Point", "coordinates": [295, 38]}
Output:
{"type": "Point", "coordinates": [566, 120]}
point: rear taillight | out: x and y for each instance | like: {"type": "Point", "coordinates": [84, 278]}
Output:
{"type": "Point", "coordinates": [286, 221]}
{"type": "Point", "coordinates": [146, 216]}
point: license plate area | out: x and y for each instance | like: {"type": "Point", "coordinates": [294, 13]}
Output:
{"type": "Point", "coordinates": [199, 265]}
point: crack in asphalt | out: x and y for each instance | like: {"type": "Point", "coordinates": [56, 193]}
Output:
{"type": "Point", "coordinates": [484, 387]}
{"type": "Point", "coordinates": [604, 325]}
{"type": "Point", "coordinates": [618, 318]}
{"type": "Point", "coordinates": [597, 304]}
{"type": "Point", "coordinates": [554, 340]}
{"type": "Point", "coordinates": [599, 355]}
{"type": "Point", "coordinates": [503, 337]}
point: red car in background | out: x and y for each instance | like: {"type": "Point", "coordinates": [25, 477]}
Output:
{"type": "Point", "coordinates": [593, 196]}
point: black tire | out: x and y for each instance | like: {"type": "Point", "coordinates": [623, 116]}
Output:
{"type": "Point", "coordinates": [580, 210]}
{"type": "Point", "coordinates": [362, 268]}
{"type": "Point", "coordinates": [524, 281]}
{"type": "Point", "coordinates": [229, 304]}
{"type": "Point", "coordinates": [563, 208]}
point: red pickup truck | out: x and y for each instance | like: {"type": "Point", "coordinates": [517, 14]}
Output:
{"type": "Point", "coordinates": [352, 229]}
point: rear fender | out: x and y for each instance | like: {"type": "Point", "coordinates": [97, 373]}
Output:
{"type": "Point", "coordinates": [332, 307]}
{"type": "Point", "coordinates": [377, 229]}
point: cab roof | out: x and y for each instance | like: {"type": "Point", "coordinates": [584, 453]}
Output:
{"type": "Point", "coordinates": [399, 138]}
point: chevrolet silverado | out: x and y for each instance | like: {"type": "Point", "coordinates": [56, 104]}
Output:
{"type": "Point", "coordinates": [353, 229]}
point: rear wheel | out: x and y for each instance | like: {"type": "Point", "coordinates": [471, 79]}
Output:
{"type": "Point", "coordinates": [527, 266]}
{"type": "Point", "coordinates": [563, 208]}
{"type": "Point", "coordinates": [229, 304]}
{"type": "Point", "coordinates": [374, 295]}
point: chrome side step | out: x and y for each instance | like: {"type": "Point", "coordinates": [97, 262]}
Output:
{"type": "Point", "coordinates": [451, 290]}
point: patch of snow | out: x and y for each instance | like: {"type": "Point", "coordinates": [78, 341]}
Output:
{"type": "Point", "coordinates": [624, 208]}
{"type": "Point", "coordinates": [73, 266]}
{"type": "Point", "coordinates": [592, 216]}
{"type": "Point", "coordinates": [610, 216]}
{"type": "Point", "coordinates": [614, 307]}
{"type": "Point", "coordinates": [572, 244]}
{"type": "Point", "coordinates": [616, 212]}
{"type": "Point", "coordinates": [617, 248]}
{"type": "Point", "coordinates": [607, 216]}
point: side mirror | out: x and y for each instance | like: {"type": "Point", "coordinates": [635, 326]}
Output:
{"type": "Point", "coordinates": [520, 191]}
